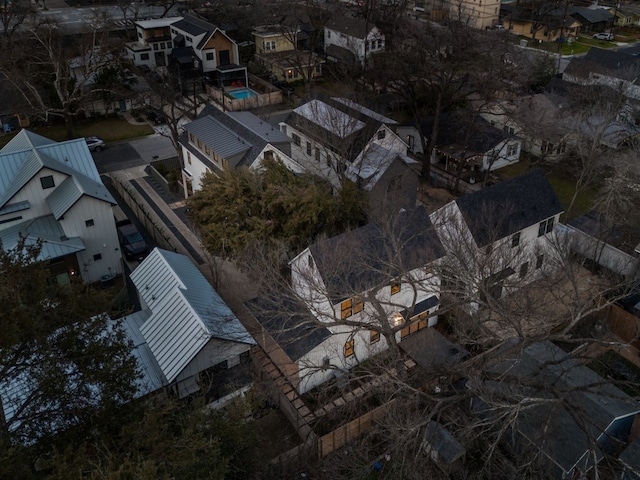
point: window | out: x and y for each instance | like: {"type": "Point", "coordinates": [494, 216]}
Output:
{"type": "Point", "coordinates": [188, 39]}
{"type": "Point", "coordinates": [379, 43]}
{"type": "Point", "coordinates": [192, 138]}
{"type": "Point", "coordinates": [318, 69]}
{"type": "Point", "coordinates": [539, 261]}
{"type": "Point", "coordinates": [524, 268]}
{"type": "Point", "coordinates": [547, 147]}
{"type": "Point", "coordinates": [199, 142]}
{"type": "Point", "coordinates": [358, 305]}
{"type": "Point", "coordinates": [269, 45]}
{"type": "Point", "coordinates": [308, 148]}
{"type": "Point", "coordinates": [144, 56]}
{"type": "Point", "coordinates": [509, 129]}
{"type": "Point", "coordinates": [545, 227]}
{"type": "Point", "coordinates": [289, 73]}
{"type": "Point", "coordinates": [381, 134]}
{"type": "Point", "coordinates": [395, 288]}
{"type": "Point", "coordinates": [283, 129]}
{"type": "Point", "coordinates": [317, 155]}
{"type": "Point", "coordinates": [140, 35]}
{"type": "Point", "coordinates": [169, 45]}
{"type": "Point", "coordinates": [47, 182]}
{"type": "Point", "coordinates": [296, 139]}
{"type": "Point", "coordinates": [349, 348]}
{"type": "Point", "coordinates": [155, 46]}
{"type": "Point", "coordinates": [310, 260]}
{"type": "Point", "coordinates": [97, 256]}
{"type": "Point", "coordinates": [207, 150]}
{"type": "Point", "coordinates": [89, 223]}
{"type": "Point", "coordinates": [374, 337]}
{"type": "Point", "coordinates": [162, 46]}
{"type": "Point", "coordinates": [351, 306]}
{"type": "Point", "coordinates": [515, 240]}
{"type": "Point", "coordinates": [329, 162]}
{"type": "Point", "coordinates": [328, 33]}
{"type": "Point", "coordinates": [189, 158]}
{"type": "Point", "coordinates": [395, 183]}
{"type": "Point", "coordinates": [209, 56]}
{"type": "Point", "coordinates": [512, 150]}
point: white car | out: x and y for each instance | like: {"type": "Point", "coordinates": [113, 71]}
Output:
{"type": "Point", "coordinates": [603, 36]}
{"type": "Point", "coordinates": [95, 144]}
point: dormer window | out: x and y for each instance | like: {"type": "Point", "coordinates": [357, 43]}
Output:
{"type": "Point", "coordinates": [515, 240]}
{"type": "Point", "coordinates": [192, 138]}
{"type": "Point", "coordinates": [395, 288]}
{"type": "Point", "coordinates": [381, 134]}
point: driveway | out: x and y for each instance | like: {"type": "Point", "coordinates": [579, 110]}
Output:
{"type": "Point", "coordinates": [141, 151]}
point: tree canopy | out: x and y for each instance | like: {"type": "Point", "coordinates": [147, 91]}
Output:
{"type": "Point", "coordinates": [242, 206]}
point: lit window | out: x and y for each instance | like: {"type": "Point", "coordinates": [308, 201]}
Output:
{"type": "Point", "coordinates": [395, 288]}
{"type": "Point", "coordinates": [349, 348]}
{"type": "Point", "coordinates": [89, 223]}
{"type": "Point", "coordinates": [345, 309]}
{"type": "Point", "coordinates": [374, 337]}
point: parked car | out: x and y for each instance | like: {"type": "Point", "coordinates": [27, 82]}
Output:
{"type": "Point", "coordinates": [95, 144]}
{"type": "Point", "coordinates": [131, 240]}
{"type": "Point", "coordinates": [156, 117]}
{"type": "Point", "coordinates": [603, 36]}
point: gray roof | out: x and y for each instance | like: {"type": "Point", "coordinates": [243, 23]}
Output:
{"type": "Point", "coordinates": [591, 15]}
{"type": "Point", "coordinates": [293, 327]}
{"type": "Point", "coordinates": [443, 442]}
{"type": "Point", "coordinates": [500, 210]}
{"type": "Point", "coordinates": [216, 136]}
{"type": "Point", "coordinates": [193, 25]}
{"type": "Point", "coordinates": [430, 349]}
{"type": "Point", "coordinates": [375, 254]}
{"type": "Point", "coordinates": [259, 127]}
{"type": "Point", "coordinates": [603, 228]}
{"type": "Point", "coordinates": [46, 229]}
{"type": "Point", "coordinates": [186, 312]}
{"type": "Point", "coordinates": [630, 457]}
{"type": "Point", "coordinates": [354, 27]}
{"type": "Point", "coordinates": [576, 404]}
{"type": "Point", "coordinates": [606, 62]}
{"type": "Point", "coordinates": [373, 165]}
{"type": "Point", "coordinates": [28, 153]}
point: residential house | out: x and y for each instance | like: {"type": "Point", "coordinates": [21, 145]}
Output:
{"type": "Point", "coordinates": [471, 141]}
{"type": "Point", "coordinates": [593, 19]}
{"type": "Point", "coordinates": [538, 120]}
{"type": "Point", "coordinates": [185, 336]}
{"type": "Point", "coordinates": [546, 22]}
{"type": "Point", "coordinates": [277, 50]}
{"type": "Point", "coordinates": [475, 13]}
{"type": "Point", "coordinates": [606, 242]}
{"type": "Point", "coordinates": [630, 460]}
{"type": "Point", "coordinates": [203, 50]}
{"type": "Point", "coordinates": [219, 140]}
{"type": "Point", "coordinates": [442, 447]}
{"type": "Point", "coordinates": [626, 15]}
{"type": "Point", "coordinates": [154, 43]}
{"type": "Point", "coordinates": [347, 37]}
{"type": "Point", "coordinates": [331, 135]}
{"type": "Point", "coordinates": [348, 281]}
{"type": "Point", "coordinates": [610, 68]}
{"type": "Point", "coordinates": [574, 416]}
{"type": "Point", "coordinates": [498, 238]}
{"type": "Point", "coordinates": [52, 192]}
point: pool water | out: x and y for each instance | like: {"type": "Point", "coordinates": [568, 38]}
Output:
{"type": "Point", "coordinates": [242, 93]}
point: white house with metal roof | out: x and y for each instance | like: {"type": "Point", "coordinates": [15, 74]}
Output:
{"type": "Point", "coordinates": [52, 192]}
{"type": "Point", "coordinates": [184, 331]}
{"type": "Point", "coordinates": [217, 141]}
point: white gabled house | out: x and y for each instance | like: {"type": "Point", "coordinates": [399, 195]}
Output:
{"type": "Point", "coordinates": [52, 192]}
{"type": "Point", "coordinates": [185, 333]}
{"type": "Point", "coordinates": [331, 135]}
{"type": "Point", "coordinates": [154, 43]}
{"type": "Point", "coordinates": [498, 238]}
{"type": "Point", "coordinates": [351, 40]}
{"type": "Point", "coordinates": [217, 141]}
{"type": "Point", "coordinates": [348, 288]}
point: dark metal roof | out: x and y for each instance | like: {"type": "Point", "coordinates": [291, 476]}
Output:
{"type": "Point", "coordinates": [500, 210]}
{"type": "Point", "coordinates": [373, 255]}
{"type": "Point", "coordinates": [292, 326]}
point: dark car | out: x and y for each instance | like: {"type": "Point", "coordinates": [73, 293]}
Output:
{"type": "Point", "coordinates": [131, 240]}
{"type": "Point", "coordinates": [156, 117]}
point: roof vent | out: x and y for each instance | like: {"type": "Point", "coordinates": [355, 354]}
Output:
{"type": "Point", "coordinates": [153, 297]}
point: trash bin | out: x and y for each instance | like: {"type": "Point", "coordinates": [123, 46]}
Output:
{"type": "Point", "coordinates": [524, 43]}
{"type": "Point", "coordinates": [106, 281]}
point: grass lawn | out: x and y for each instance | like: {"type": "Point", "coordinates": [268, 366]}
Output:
{"type": "Point", "coordinates": [563, 186]}
{"type": "Point", "coordinates": [109, 129]}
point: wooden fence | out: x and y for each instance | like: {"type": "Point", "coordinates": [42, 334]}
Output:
{"type": "Point", "coordinates": [625, 324]}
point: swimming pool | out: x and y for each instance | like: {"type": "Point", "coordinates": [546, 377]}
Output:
{"type": "Point", "coordinates": [241, 93]}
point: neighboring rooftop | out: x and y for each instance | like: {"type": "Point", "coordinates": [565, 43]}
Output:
{"type": "Point", "coordinates": [354, 27]}
{"type": "Point", "coordinates": [157, 22]}
{"type": "Point", "coordinates": [509, 206]}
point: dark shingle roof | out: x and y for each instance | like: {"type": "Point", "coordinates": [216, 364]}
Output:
{"type": "Point", "coordinates": [194, 25]}
{"type": "Point", "coordinates": [508, 207]}
{"type": "Point", "coordinates": [355, 27]}
{"type": "Point", "coordinates": [292, 326]}
{"type": "Point", "coordinates": [595, 15]}
{"type": "Point", "coordinates": [375, 254]}
{"type": "Point", "coordinates": [608, 62]}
